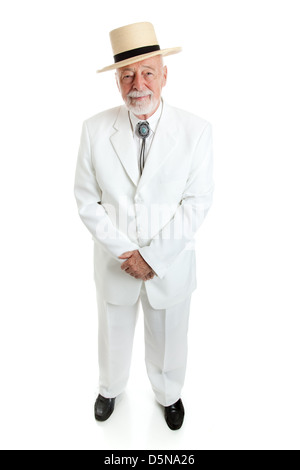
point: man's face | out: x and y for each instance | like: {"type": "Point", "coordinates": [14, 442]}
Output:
{"type": "Point", "coordinates": [141, 85]}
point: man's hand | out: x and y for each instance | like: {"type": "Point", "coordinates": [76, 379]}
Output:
{"type": "Point", "coordinates": [136, 266]}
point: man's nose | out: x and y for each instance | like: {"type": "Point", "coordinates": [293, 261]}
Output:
{"type": "Point", "coordinates": [138, 83]}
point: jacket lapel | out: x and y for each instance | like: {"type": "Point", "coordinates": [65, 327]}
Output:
{"type": "Point", "coordinates": [162, 145]}
{"type": "Point", "coordinates": [123, 144]}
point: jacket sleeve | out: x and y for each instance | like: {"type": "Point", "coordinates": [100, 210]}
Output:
{"type": "Point", "coordinates": [196, 201]}
{"type": "Point", "coordinates": [88, 195]}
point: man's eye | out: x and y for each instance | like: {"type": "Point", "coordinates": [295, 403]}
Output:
{"type": "Point", "coordinates": [149, 76]}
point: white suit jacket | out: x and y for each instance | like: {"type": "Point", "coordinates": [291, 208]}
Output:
{"type": "Point", "coordinates": [157, 213]}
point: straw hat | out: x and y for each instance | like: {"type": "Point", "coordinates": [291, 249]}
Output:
{"type": "Point", "coordinates": [134, 43]}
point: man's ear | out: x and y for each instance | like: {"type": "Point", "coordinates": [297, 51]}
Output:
{"type": "Point", "coordinates": [117, 81]}
{"type": "Point", "coordinates": [165, 75]}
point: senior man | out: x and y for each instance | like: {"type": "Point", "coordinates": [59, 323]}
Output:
{"type": "Point", "coordinates": [143, 188]}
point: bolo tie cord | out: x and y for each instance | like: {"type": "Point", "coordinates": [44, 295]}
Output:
{"type": "Point", "coordinates": [143, 131]}
{"type": "Point", "coordinates": [142, 156]}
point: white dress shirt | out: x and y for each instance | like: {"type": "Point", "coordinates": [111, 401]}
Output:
{"type": "Point", "coordinates": [153, 122]}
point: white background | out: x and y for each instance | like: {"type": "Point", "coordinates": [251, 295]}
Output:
{"type": "Point", "coordinates": [239, 70]}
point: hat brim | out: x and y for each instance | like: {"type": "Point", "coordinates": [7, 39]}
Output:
{"type": "Point", "coordinates": [139, 58]}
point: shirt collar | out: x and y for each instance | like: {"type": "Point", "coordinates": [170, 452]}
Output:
{"type": "Point", "coordinates": [153, 120]}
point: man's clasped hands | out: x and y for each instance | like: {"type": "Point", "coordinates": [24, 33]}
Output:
{"type": "Point", "coordinates": [136, 266]}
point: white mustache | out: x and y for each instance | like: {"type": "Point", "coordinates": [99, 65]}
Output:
{"type": "Point", "coordinates": [139, 94]}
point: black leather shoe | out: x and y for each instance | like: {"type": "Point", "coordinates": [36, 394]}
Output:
{"type": "Point", "coordinates": [104, 408]}
{"type": "Point", "coordinates": [174, 415]}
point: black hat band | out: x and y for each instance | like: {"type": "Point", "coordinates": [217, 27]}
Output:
{"type": "Point", "coordinates": [135, 52]}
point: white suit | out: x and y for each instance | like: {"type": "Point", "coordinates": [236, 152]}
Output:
{"type": "Point", "coordinates": [157, 213]}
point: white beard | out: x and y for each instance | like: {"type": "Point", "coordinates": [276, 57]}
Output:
{"type": "Point", "coordinates": [139, 109]}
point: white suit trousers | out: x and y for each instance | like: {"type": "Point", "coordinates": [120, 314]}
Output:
{"type": "Point", "coordinates": [165, 347]}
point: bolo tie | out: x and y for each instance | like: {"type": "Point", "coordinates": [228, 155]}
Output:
{"type": "Point", "coordinates": [143, 132]}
